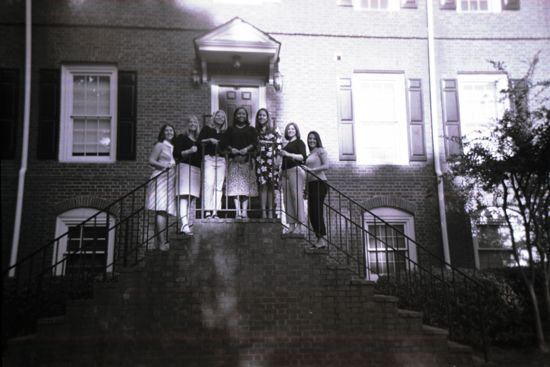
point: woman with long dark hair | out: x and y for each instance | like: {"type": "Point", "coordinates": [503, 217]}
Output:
{"type": "Point", "coordinates": [240, 140]}
{"type": "Point", "coordinates": [160, 191]}
{"type": "Point", "coordinates": [267, 161]}
{"type": "Point", "coordinates": [316, 165]}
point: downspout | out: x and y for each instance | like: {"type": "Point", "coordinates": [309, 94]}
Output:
{"type": "Point", "coordinates": [435, 129]}
{"type": "Point", "coordinates": [25, 145]}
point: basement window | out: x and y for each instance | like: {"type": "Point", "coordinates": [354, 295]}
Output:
{"type": "Point", "coordinates": [83, 247]}
{"type": "Point", "coordinates": [388, 247]}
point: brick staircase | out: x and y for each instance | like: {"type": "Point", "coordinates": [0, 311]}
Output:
{"type": "Point", "coordinates": [236, 294]}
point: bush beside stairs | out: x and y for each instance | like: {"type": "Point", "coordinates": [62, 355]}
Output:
{"type": "Point", "coordinates": [237, 294]}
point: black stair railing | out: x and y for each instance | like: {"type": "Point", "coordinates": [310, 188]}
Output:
{"type": "Point", "coordinates": [119, 235]}
{"type": "Point", "coordinates": [383, 252]}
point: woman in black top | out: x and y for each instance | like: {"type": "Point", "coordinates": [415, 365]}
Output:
{"type": "Point", "coordinates": [214, 163]}
{"type": "Point", "coordinates": [240, 140]}
{"type": "Point", "coordinates": [187, 155]}
{"type": "Point", "coordinates": [294, 154]}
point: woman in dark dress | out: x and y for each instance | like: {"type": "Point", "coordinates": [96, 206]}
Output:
{"type": "Point", "coordinates": [240, 140]}
{"type": "Point", "coordinates": [187, 155]}
{"type": "Point", "coordinates": [294, 155]}
{"type": "Point", "coordinates": [267, 161]}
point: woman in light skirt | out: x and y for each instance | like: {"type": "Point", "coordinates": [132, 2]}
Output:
{"type": "Point", "coordinates": [187, 155]}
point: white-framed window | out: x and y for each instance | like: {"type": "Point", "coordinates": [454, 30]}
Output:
{"type": "Point", "coordinates": [380, 237]}
{"type": "Point", "coordinates": [379, 108]}
{"type": "Point", "coordinates": [88, 113]}
{"type": "Point", "coordinates": [89, 247]}
{"type": "Point", "coordinates": [479, 6]}
{"type": "Point", "coordinates": [383, 5]}
{"type": "Point", "coordinates": [493, 241]}
{"type": "Point", "coordinates": [481, 102]}
{"type": "Point", "coordinates": [494, 248]}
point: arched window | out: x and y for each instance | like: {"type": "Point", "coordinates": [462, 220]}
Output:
{"type": "Point", "coordinates": [85, 247]}
{"type": "Point", "coordinates": [387, 247]}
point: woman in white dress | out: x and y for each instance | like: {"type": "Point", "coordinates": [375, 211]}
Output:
{"type": "Point", "coordinates": [160, 191]}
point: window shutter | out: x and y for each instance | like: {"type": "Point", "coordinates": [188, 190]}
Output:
{"type": "Point", "coordinates": [345, 120]}
{"type": "Point", "coordinates": [9, 110]}
{"type": "Point", "coordinates": [510, 4]}
{"type": "Point", "coordinates": [451, 117]}
{"type": "Point", "coordinates": [344, 2]}
{"type": "Point", "coordinates": [48, 114]}
{"type": "Point", "coordinates": [417, 147]}
{"type": "Point", "coordinates": [448, 5]}
{"type": "Point", "coordinates": [127, 115]}
{"type": "Point", "coordinates": [409, 4]}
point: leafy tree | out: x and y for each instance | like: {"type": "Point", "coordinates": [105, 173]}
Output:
{"type": "Point", "coordinates": [506, 172]}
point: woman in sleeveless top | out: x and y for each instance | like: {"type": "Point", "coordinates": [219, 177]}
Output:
{"type": "Point", "coordinates": [316, 165]}
{"type": "Point", "coordinates": [160, 192]}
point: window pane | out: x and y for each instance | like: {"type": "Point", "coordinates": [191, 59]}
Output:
{"type": "Point", "coordinates": [103, 96]}
{"type": "Point", "coordinates": [480, 106]}
{"type": "Point", "coordinates": [380, 263]}
{"type": "Point", "coordinates": [93, 239]}
{"type": "Point", "coordinates": [91, 137]}
{"type": "Point", "coordinates": [379, 235]}
{"type": "Point", "coordinates": [79, 95]}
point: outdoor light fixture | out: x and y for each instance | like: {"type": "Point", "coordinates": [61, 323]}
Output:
{"type": "Point", "coordinates": [195, 77]}
{"type": "Point", "coordinates": [236, 61]}
{"type": "Point", "coordinates": [278, 81]}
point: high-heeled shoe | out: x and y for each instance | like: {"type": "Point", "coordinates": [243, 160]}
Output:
{"type": "Point", "coordinates": [186, 230]}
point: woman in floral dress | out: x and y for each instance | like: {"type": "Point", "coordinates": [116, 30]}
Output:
{"type": "Point", "coordinates": [267, 160]}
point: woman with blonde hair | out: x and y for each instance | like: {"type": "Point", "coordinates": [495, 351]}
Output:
{"type": "Point", "coordinates": [214, 163]}
{"type": "Point", "coordinates": [187, 155]}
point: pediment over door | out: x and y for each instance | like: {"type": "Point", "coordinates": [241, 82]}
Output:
{"type": "Point", "coordinates": [237, 48]}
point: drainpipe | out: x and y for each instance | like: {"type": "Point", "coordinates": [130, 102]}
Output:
{"type": "Point", "coordinates": [25, 145]}
{"type": "Point", "coordinates": [435, 132]}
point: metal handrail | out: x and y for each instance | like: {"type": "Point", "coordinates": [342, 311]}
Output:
{"type": "Point", "coordinates": [442, 276]}
{"type": "Point", "coordinates": [348, 245]}
{"type": "Point", "coordinates": [43, 278]}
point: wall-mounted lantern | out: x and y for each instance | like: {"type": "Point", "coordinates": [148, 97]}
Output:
{"type": "Point", "coordinates": [195, 78]}
{"type": "Point", "coordinates": [278, 81]}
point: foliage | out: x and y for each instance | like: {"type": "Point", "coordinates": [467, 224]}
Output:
{"type": "Point", "coordinates": [504, 174]}
{"type": "Point", "coordinates": [503, 305]}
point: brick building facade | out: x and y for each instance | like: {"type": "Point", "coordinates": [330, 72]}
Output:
{"type": "Point", "coordinates": [330, 50]}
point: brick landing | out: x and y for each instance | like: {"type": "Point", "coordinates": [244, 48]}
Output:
{"type": "Point", "coordinates": [239, 295]}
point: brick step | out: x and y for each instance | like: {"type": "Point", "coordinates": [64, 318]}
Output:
{"type": "Point", "coordinates": [218, 347]}
{"type": "Point", "coordinates": [238, 293]}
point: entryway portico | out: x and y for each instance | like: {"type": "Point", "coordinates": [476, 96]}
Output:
{"type": "Point", "coordinates": [239, 61]}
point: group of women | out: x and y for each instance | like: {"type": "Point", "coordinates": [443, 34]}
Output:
{"type": "Point", "coordinates": [255, 161]}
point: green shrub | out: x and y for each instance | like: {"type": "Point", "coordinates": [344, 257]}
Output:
{"type": "Point", "coordinates": [452, 302]}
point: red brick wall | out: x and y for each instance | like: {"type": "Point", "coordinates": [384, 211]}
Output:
{"type": "Point", "coordinates": [155, 40]}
